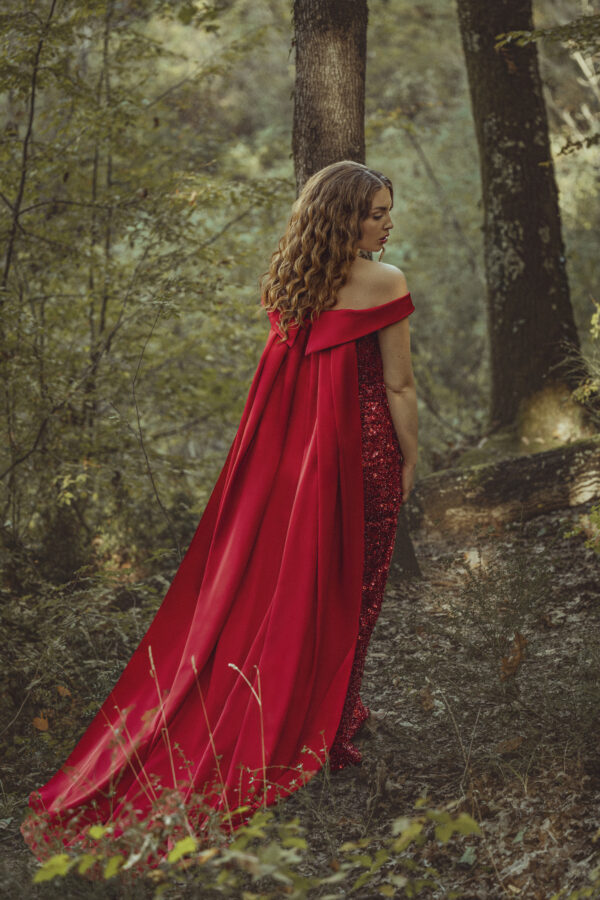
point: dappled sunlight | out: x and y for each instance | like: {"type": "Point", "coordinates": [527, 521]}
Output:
{"type": "Point", "coordinates": [551, 417]}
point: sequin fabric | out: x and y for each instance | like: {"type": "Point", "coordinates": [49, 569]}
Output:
{"type": "Point", "coordinates": [382, 489]}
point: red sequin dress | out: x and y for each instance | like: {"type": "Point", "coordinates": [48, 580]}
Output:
{"type": "Point", "coordinates": [382, 489]}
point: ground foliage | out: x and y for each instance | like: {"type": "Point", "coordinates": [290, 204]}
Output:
{"type": "Point", "coordinates": [485, 673]}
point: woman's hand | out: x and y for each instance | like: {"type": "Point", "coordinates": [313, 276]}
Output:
{"type": "Point", "coordinates": [408, 479]}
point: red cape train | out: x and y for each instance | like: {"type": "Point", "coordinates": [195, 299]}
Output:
{"type": "Point", "coordinates": [248, 658]}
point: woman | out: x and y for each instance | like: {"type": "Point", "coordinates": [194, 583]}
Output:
{"type": "Point", "coordinates": [248, 677]}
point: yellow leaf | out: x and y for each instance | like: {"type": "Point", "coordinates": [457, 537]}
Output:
{"type": "Point", "coordinates": [41, 722]}
{"type": "Point", "coordinates": [185, 845]}
{"type": "Point", "coordinates": [294, 842]}
{"type": "Point", "coordinates": [443, 832]}
{"type": "Point", "coordinates": [53, 867]}
{"type": "Point", "coordinates": [408, 836]}
{"type": "Point", "coordinates": [86, 862]}
{"type": "Point", "coordinates": [113, 865]}
{"type": "Point", "coordinates": [442, 816]}
{"type": "Point", "coordinates": [97, 831]}
{"type": "Point", "coordinates": [464, 824]}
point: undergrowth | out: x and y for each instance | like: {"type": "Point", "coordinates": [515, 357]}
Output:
{"type": "Point", "coordinates": [498, 677]}
{"type": "Point", "coordinates": [484, 649]}
{"type": "Point", "coordinates": [265, 858]}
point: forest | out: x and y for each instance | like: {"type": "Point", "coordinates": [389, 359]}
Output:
{"type": "Point", "coordinates": [150, 152]}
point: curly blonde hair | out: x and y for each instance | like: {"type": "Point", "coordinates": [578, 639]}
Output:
{"type": "Point", "coordinates": [314, 255]}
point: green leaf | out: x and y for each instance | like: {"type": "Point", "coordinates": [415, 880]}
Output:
{"type": "Point", "coordinates": [113, 865]}
{"type": "Point", "coordinates": [362, 879]}
{"type": "Point", "coordinates": [465, 824]}
{"type": "Point", "coordinates": [440, 816]}
{"type": "Point", "coordinates": [241, 842]}
{"type": "Point", "coordinates": [444, 832]}
{"type": "Point", "coordinates": [57, 865]}
{"type": "Point", "coordinates": [86, 862]}
{"type": "Point", "coordinates": [382, 855]}
{"type": "Point", "coordinates": [185, 845]}
{"type": "Point", "coordinates": [407, 837]}
{"type": "Point", "coordinates": [294, 842]}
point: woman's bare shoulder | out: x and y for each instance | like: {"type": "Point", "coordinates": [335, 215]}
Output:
{"type": "Point", "coordinates": [371, 283]}
{"type": "Point", "coordinates": [387, 283]}
{"type": "Point", "coordinates": [385, 273]}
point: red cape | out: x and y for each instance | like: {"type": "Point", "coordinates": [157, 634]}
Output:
{"type": "Point", "coordinates": [270, 587]}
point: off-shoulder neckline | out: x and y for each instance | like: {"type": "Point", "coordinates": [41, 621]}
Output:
{"type": "Point", "coordinates": [363, 309]}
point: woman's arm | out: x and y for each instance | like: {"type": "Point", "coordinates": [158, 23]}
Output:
{"type": "Point", "coordinates": [394, 343]}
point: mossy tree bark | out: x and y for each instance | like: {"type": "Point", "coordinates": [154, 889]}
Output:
{"type": "Point", "coordinates": [529, 309]}
{"type": "Point", "coordinates": [329, 93]}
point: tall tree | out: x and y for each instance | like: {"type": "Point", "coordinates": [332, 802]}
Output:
{"type": "Point", "coordinates": [529, 309]}
{"type": "Point", "coordinates": [329, 93]}
{"type": "Point", "coordinates": [329, 117]}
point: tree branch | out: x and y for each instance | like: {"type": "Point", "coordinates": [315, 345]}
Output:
{"type": "Point", "coordinates": [25, 152]}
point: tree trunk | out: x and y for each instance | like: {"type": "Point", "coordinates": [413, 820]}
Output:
{"type": "Point", "coordinates": [529, 310]}
{"type": "Point", "coordinates": [329, 94]}
{"type": "Point", "coordinates": [329, 117]}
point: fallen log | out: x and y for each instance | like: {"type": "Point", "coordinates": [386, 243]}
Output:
{"type": "Point", "coordinates": [515, 489]}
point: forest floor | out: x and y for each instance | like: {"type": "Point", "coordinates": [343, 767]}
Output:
{"type": "Point", "coordinates": [485, 674]}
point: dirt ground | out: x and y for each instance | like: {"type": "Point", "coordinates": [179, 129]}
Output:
{"type": "Point", "coordinates": [484, 675]}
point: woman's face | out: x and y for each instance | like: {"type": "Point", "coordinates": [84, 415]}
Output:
{"type": "Point", "coordinates": [374, 229]}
